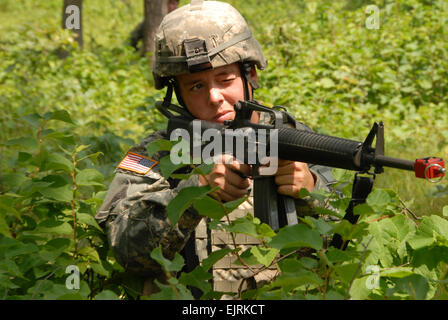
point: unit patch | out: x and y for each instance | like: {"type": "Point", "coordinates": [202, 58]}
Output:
{"type": "Point", "coordinates": [137, 163]}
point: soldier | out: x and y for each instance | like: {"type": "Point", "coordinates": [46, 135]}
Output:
{"type": "Point", "coordinates": [208, 80]}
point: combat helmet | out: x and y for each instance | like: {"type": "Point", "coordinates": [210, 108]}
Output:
{"type": "Point", "coordinates": [200, 36]}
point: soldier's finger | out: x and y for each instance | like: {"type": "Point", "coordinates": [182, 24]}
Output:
{"type": "Point", "coordinates": [289, 190]}
{"type": "Point", "coordinates": [234, 191]}
{"type": "Point", "coordinates": [236, 180]}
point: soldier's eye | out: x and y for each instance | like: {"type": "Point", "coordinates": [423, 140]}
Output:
{"type": "Point", "coordinates": [196, 87]}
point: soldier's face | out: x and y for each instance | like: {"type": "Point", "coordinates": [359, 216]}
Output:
{"type": "Point", "coordinates": [211, 94]}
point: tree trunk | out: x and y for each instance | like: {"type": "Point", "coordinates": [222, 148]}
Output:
{"type": "Point", "coordinates": [72, 18]}
{"type": "Point", "coordinates": [155, 10]}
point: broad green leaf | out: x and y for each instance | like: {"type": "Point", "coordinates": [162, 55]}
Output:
{"type": "Point", "coordinates": [107, 295]}
{"type": "Point", "coordinates": [414, 285]}
{"type": "Point", "coordinates": [245, 226]}
{"type": "Point", "coordinates": [430, 256]}
{"type": "Point", "coordinates": [88, 219]}
{"type": "Point", "coordinates": [183, 200]}
{"type": "Point", "coordinates": [66, 138]}
{"type": "Point", "coordinates": [397, 272]}
{"type": "Point", "coordinates": [291, 280]}
{"type": "Point", "coordinates": [264, 256]}
{"type": "Point", "coordinates": [90, 252]}
{"type": "Point", "coordinates": [56, 227]}
{"type": "Point", "coordinates": [13, 180]}
{"type": "Point", "coordinates": [27, 143]}
{"type": "Point", "coordinates": [64, 193]}
{"type": "Point", "coordinates": [214, 257]}
{"type": "Point", "coordinates": [175, 265]}
{"type": "Point", "coordinates": [167, 293]}
{"type": "Point", "coordinates": [197, 278]}
{"type": "Point", "coordinates": [158, 145]}
{"type": "Point", "coordinates": [89, 177]}
{"type": "Point", "coordinates": [347, 271]}
{"type": "Point", "coordinates": [327, 83]}
{"type": "Point", "coordinates": [427, 231]}
{"type": "Point", "coordinates": [167, 167]}
{"type": "Point", "coordinates": [57, 162]}
{"type": "Point", "coordinates": [33, 119]}
{"type": "Point", "coordinates": [98, 268]}
{"type": "Point", "coordinates": [61, 115]}
{"type": "Point", "coordinates": [81, 148]}
{"type": "Point", "coordinates": [297, 236]}
{"type": "Point", "coordinates": [209, 207]}
{"type": "Point", "coordinates": [25, 248]}
{"type": "Point", "coordinates": [378, 199]}
{"type": "Point", "coordinates": [359, 290]}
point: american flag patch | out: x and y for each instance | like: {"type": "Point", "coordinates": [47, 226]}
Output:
{"type": "Point", "coordinates": [137, 163]}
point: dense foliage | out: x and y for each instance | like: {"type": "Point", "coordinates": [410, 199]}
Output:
{"type": "Point", "coordinates": [67, 122]}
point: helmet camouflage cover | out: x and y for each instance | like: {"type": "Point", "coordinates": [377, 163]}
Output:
{"type": "Point", "coordinates": [200, 36]}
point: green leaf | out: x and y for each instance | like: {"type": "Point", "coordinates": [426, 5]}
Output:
{"type": "Point", "coordinates": [214, 257]}
{"type": "Point", "coordinates": [245, 226]}
{"type": "Point", "coordinates": [209, 207]}
{"type": "Point", "coordinates": [158, 145]}
{"type": "Point", "coordinates": [66, 138]}
{"type": "Point", "coordinates": [359, 290]}
{"type": "Point", "coordinates": [197, 278]}
{"type": "Point", "coordinates": [327, 83]}
{"type": "Point", "coordinates": [347, 271]}
{"type": "Point", "coordinates": [57, 162]}
{"type": "Point", "coordinates": [88, 219]}
{"type": "Point", "coordinates": [445, 211]}
{"type": "Point", "coordinates": [13, 180]}
{"type": "Point", "coordinates": [291, 280]}
{"type": "Point", "coordinates": [28, 144]}
{"type": "Point", "coordinates": [414, 285]}
{"type": "Point", "coordinates": [427, 231]}
{"type": "Point", "coordinates": [25, 248]}
{"type": "Point", "coordinates": [56, 227]}
{"type": "Point", "coordinates": [60, 115]}
{"type": "Point", "coordinates": [168, 293]}
{"type": "Point", "coordinates": [232, 205]}
{"type": "Point", "coordinates": [397, 272]}
{"type": "Point", "coordinates": [168, 266]}
{"type": "Point", "coordinates": [167, 167]}
{"type": "Point", "coordinates": [430, 256]}
{"type": "Point", "coordinates": [107, 295]}
{"type": "Point", "coordinates": [64, 193]}
{"type": "Point", "coordinates": [183, 200]}
{"type": "Point", "coordinates": [297, 236]}
{"type": "Point", "coordinates": [263, 255]}
{"type": "Point", "coordinates": [89, 177]}
{"type": "Point", "coordinates": [90, 252]}
{"type": "Point", "coordinates": [378, 199]}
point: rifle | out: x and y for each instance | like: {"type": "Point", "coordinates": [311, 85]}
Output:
{"type": "Point", "coordinates": [305, 146]}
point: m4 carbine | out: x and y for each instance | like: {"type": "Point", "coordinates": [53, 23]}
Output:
{"type": "Point", "coordinates": [304, 146]}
